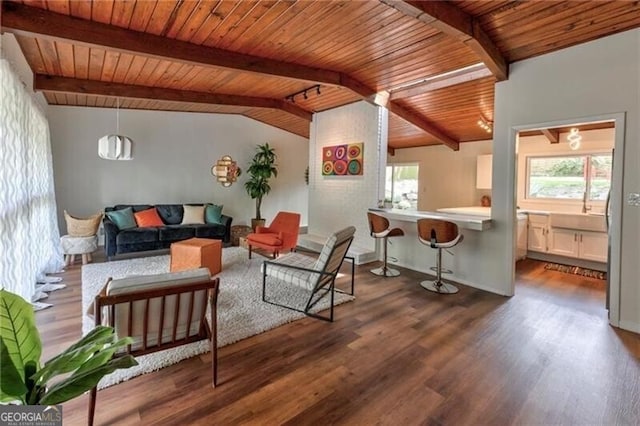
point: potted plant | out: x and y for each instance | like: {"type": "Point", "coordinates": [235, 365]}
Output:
{"type": "Point", "coordinates": [261, 169]}
{"type": "Point", "coordinates": [73, 372]}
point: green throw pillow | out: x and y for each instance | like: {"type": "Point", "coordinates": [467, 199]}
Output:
{"type": "Point", "coordinates": [213, 214]}
{"type": "Point", "coordinates": [123, 218]}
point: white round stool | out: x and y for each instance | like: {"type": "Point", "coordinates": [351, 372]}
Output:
{"type": "Point", "coordinates": [78, 245]}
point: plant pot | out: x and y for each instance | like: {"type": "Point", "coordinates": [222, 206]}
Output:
{"type": "Point", "coordinates": [257, 222]}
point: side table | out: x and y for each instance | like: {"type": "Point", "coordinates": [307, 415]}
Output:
{"type": "Point", "coordinates": [239, 231]}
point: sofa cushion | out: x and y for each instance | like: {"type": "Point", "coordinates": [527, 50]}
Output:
{"type": "Point", "coordinates": [213, 214]}
{"type": "Point", "coordinates": [123, 218]}
{"type": "Point", "coordinates": [154, 306]}
{"type": "Point", "coordinates": [210, 231]}
{"type": "Point", "coordinates": [147, 282]}
{"type": "Point", "coordinates": [137, 235]}
{"type": "Point", "coordinates": [148, 217]}
{"type": "Point", "coordinates": [192, 215]}
{"type": "Point", "coordinates": [134, 207]}
{"type": "Point", "coordinates": [171, 214]}
{"type": "Point", "coordinates": [176, 232]}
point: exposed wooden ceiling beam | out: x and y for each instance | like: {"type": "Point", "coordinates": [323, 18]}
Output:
{"type": "Point", "coordinates": [552, 135]}
{"type": "Point", "coordinates": [462, 75]}
{"type": "Point", "coordinates": [454, 21]}
{"type": "Point", "coordinates": [31, 21]}
{"type": "Point", "coordinates": [382, 99]}
{"type": "Point", "coordinates": [422, 123]}
{"type": "Point", "coordinates": [35, 22]}
{"type": "Point", "coordinates": [92, 87]}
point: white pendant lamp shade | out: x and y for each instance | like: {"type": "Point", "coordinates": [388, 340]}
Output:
{"type": "Point", "coordinates": [115, 147]}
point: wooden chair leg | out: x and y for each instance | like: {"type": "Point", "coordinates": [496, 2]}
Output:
{"type": "Point", "coordinates": [85, 259]}
{"type": "Point", "coordinates": [73, 259]}
{"type": "Point", "coordinates": [249, 251]}
{"type": "Point", "coordinates": [67, 260]}
{"type": "Point", "coordinates": [92, 405]}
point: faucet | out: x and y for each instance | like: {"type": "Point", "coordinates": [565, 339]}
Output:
{"type": "Point", "coordinates": [584, 203]}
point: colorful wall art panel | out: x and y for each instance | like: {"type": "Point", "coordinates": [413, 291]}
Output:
{"type": "Point", "coordinates": [343, 160]}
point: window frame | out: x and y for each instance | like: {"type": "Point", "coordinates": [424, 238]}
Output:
{"type": "Point", "coordinates": [403, 164]}
{"type": "Point", "coordinates": [586, 154]}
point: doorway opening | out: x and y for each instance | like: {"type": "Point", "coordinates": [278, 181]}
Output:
{"type": "Point", "coordinates": [568, 202]}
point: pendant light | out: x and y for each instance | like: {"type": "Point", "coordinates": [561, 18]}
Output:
{"type": "Point", "coordinates": [115, 146]}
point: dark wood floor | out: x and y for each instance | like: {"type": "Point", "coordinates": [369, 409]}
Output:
{"type": "Point", "coordinates": [398, 355]}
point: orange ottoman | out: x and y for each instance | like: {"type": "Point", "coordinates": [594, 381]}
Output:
{"type": "Point", "coordinates": [197, 253]}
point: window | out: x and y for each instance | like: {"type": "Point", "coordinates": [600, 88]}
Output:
{"type": "Point", "coordinates": [401, 186]}
{"type": "Point", "coordinates": [569, 177]}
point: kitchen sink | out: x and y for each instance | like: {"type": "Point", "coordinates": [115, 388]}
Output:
{"type": "Point", "coordinates": [582, 221]}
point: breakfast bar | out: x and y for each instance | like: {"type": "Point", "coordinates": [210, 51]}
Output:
{"type": "Point", "coordinates": [412, 254]}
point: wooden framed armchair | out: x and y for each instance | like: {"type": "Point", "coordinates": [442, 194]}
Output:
{"type": "Point", "coordinates": [316, 276]}
{"type": "Point", "coordinates": [280, 235]}
{"type": "Point", "coordinates": [160, 312]}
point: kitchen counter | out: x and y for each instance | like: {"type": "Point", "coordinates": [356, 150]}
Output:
{"type": "Point", "coordinates": [464, 221]}
{"type": "Point", "coordinates": [475, 211]}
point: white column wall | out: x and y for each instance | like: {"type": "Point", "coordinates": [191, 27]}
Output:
{"type": "Point", "coordinates": [339, 201]}
{"type": "Point", "coordinates": [595, 78]}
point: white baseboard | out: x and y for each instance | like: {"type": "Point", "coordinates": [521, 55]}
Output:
{"type": "Point", "coordinates": [630, 326]}
{"type": "Point", "coordinates": [450, 277]}
{"type": "Point", "coordinates": [315, 243]}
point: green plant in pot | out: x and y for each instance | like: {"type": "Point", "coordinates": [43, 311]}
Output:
{"type": "Point", "coordinates": [79, 368]}
{"type": "Point", "coordinates": [261, 170]}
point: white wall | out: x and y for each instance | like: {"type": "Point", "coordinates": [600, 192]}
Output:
{"type": "Point", "coordinates": [447, 178]}
{"type": "Point", "coordinates": [593, 141]}
{"type": "Point", "coordinates": [173, 155]}
{"type": "Point", "coordinates": [339, 201]}
{"type": "Point", "coordinates": [600, 77]}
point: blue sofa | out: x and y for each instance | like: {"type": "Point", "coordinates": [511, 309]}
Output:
{"type": "Point", "coordinates": [160, 237]}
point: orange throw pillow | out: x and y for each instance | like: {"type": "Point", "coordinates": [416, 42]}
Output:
{"type": "Point", "coordinates": [148, 217]}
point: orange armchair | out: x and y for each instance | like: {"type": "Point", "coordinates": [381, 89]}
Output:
{"type": "Point", "coordinates": [282, 234]}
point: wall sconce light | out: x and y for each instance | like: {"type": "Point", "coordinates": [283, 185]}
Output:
{"type": "Point", "coordinates": [226, 171]}
{"type": "Point", "coordinates": [115, 147]}
{"type": "Point", "coordinates": [485, 124]}
{"type": "Point", "coordinates": [574, 138]}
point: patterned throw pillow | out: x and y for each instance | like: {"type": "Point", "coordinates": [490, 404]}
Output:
{"type": "Point", "coordinates": [123, 218]}
{"type": "Point", "coordinates": [193, 215]}
{"type": "Point", "coordinates": [148, 217]}
{"type": "Point", "coordinates": [213, 214]}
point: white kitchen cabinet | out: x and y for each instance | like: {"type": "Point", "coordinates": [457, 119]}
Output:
{"type": "Point", "coordinates": [537, 233]}
{"type": "Point", "coordinates": [579, 244]}
{"type": "Point", "coordinates": [563, 242]}
{"type": "Point", "coordinates": [593, 246]}
{"type": "Point", "coordinates": [484, 169]}
{"type": "Point", "coordinates": [521, 246]}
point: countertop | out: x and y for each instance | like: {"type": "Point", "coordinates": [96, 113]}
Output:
{"type": "Point", "coordinates": [477, 211]}
{"type": "Point", "coordinates": [464, 221]}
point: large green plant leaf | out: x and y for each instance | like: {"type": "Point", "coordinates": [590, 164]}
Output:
{"type": "Point", "coordinates": [12, 385]}
{"type": "Point", "coordinates": [78, 354]}
{"type": "Point", "coordinates": [18, 330]}
{"type": "Point", "coordinates": [76, 385]}
{"type": "Point", "coordinates": [103, 356]}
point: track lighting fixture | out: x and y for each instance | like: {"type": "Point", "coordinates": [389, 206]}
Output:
{"type": "Point", "coordinates": [485, 124]}
{"type": "Point", "coordinates": [305, 93]}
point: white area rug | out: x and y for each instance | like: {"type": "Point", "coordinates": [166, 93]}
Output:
{"type": "Point", "coordinates": [241, 311]}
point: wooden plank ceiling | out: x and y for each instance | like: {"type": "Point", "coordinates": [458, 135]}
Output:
{"type": "Point", "coordinates": [433, 64]}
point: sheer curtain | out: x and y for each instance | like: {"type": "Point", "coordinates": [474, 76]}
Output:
{"type": "Point", "coordinates": [29, 236]}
